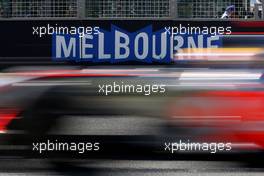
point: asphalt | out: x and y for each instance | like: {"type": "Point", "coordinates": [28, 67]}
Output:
{"type": "Point", "coordinates": [125, 167]}
{"type": "Point", "coordinates": [150, 167]}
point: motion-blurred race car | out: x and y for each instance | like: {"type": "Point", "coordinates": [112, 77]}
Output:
{"type": "Point", "coordinates": [200, 105]}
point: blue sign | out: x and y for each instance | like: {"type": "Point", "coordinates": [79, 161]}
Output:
{"type": "Point", "coordinates": [118, 45]}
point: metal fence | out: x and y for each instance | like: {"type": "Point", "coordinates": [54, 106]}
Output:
{"type": "Point", "coordinates": [154, 9]}
{"type": "Point", "coordinates": [128, 8]}
{"type": "Point", "coordinates": [38, 8]}
{"type": "Point", "coordinates": [213, 8]}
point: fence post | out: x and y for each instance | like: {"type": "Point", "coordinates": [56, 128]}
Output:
{"type": "Point", "coordinates": [81, 9]}
{"type": "Point", "coordinates": [173, 9]}
{"type": "Point", "coordinates": [262, 12]}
